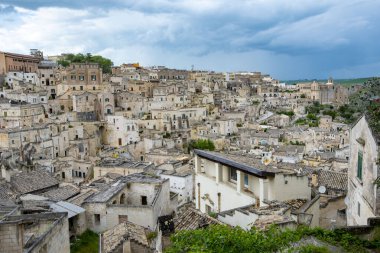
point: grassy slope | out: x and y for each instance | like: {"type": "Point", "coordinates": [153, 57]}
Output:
{"type": "Point", "coordinates": [88, 242]}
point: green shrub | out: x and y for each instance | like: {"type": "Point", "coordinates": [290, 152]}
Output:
{"type": "Point", "coordinates": [219, 238]}
{"type": "Point", "coordinates": [88, 242]}
{"type": "Point", "coordinates": [202, 144]}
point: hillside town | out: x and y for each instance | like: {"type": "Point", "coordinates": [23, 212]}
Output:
{"type": "Point", "coordinates": [136, 153]}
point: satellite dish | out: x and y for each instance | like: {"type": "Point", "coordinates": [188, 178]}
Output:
{"type": "Point", "coordinates": [322, 189]}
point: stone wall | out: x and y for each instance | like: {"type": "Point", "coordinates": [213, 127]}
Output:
{"type": "Point", "coordinates": [51, 233]}
{"type": "Point", "coordinates": [10, 238]}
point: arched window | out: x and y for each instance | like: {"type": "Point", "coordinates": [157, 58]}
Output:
{"type": "Point", "coordinates": [122, 199]}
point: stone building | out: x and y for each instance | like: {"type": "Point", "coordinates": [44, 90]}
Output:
{"type": "Point", "coordinates": [127, 237]}
{"type": "Point", "coordinates": [120, 166]}
{"type": "Point", "coordinates": [172, 74]}
{"type": "Point", "coordinates": [80, 76]}
{"type": "Point", "coordinates": [47, 77]}
{"type": "Point", "coordinates": [138, 198]}
{"type": "Point", "coordinates": [20, 114]}
{"type": "Point", "coordinates": [133, 105]}
{"type": "Point", "coordinates": [363, 174]}
{"type": "Point", "coordinates": [121, 131]}
{"type": "Point", "coordinates": [35, 233]}
{"type": "Point", "coordinates": [18, 62]}
{"type": "Point", "coordinates": [225, 181]}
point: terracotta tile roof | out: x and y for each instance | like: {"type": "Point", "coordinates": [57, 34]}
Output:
{"type": "Point", "coordinates": [333, 180]}
{"type": "Point", "coordinates": [264, 222]}
{"type": "Point", "coordinates": [192, 219]}
{"type": "Point", "coordinates": [124, 231]}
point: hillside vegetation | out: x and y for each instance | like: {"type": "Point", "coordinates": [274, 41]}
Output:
{"type": "Point", "coordinates": [104, 63]}
{"type": "Point", "coordinates": [219, 238]}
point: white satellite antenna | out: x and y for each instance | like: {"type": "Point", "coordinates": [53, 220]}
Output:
{"type": "Point", "coordinates": [322, 189]}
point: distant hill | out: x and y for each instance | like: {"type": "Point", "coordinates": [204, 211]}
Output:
{"type": "Point", "coordinates": [336, 81]}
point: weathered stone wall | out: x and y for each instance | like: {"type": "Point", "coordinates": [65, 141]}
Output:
{"type": "Point", "coordinates": [10, 238]}
{"type": "Point", "coordinates": [50, 230]}
{"type": "Point", "coordinates": [57, 239]}
{"type": "Point", "coordinates": [361, 192]}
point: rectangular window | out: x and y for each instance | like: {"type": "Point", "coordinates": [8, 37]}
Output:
{"type": "Point", "coordinates": [246, 180]}
{"type": "Point", "coordinates": [81, 78]}
{"type": "Point", "coordinates": [97, 219]}
{"type": "Point", "coordinates": [233, 174]}
{"type": "Point", "coordinates": [93, 77]}
{"type": "Point", "coordinates": [73, 77]}
{"type": "Point", "coordinates": [359, 173]}
{"type": "Point", "coordinates": [358, 209]}
{"type": "Point", "coordinates": [144, 200]}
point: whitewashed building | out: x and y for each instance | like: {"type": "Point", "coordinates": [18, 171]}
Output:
{"type": "Point", "coordinates": [225, 181]}
{"type": "Point", "coordinates": [121, 131]}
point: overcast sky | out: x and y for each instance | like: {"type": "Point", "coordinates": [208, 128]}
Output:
{"type": "Point", "coordinates": [288, 39]}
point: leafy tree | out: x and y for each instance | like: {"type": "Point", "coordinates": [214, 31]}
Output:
{"type": "Point", "coordinates": [289, 113]}
{"type": "Point", "coordinates": [314, 108]}
{"type": "Point", "coordinates": [105, 64]}
{"type": "Point", "coordinates": [202, 144]}
{"type": "Point", "coordinates": [331, 113]}
{"type": "Point", "coordinates": [63, 63]}
{"type": "Point", "coordinates": [311, 116]}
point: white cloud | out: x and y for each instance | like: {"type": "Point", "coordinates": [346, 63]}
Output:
{"type": "Point", "coordinates": [247, 34]}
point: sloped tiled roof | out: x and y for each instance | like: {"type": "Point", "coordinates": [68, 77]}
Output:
{"type": "Point", "coordinates": [5, 191]}
{"type": "Point", "coordinates": [81, 197]}
{"type": "Point", "coordinates": [333, 180]}
{"type": "Point", "coordinates": [193, 219]}
{"type": "Point", "coordinates": [121, 232]}
{"type": "Point", "coordinates": [107, 194]}
{"type": "Point", "coordinates": [61, 193]}
{"type": "Point", "coordinates": [27, 182]}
